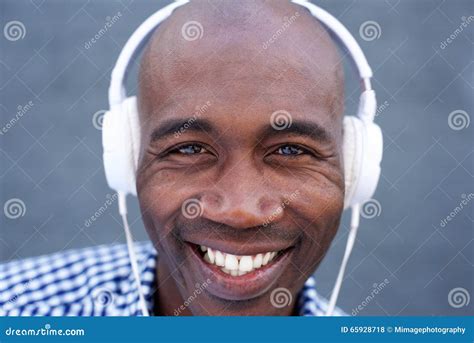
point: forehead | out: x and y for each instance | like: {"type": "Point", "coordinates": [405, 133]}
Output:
{"type": "Point", "coordinates": [243, 67]}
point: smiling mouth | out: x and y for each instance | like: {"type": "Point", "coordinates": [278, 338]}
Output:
{"type": "Point", "coordinates": [236, 265]}
{"type": "Point", "coordinates": [238, 277]}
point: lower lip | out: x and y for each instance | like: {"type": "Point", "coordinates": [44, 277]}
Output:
{"type": "Point", "coordinates": [244, 287]}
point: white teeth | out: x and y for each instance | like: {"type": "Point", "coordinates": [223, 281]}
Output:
{"type": "Point", "coordinates": [236, 265]}
{"type": "Point", "coordinates": [211, 254]}
{"type": "Point", "coordinates": [257, 261]}
{"type": "Point", "coordinates": [231, 262]}
{"type": "Point", "coordinates": [266, 258]}
{"type": "Point", "coordinates": [246, 264]}
{"type": "Point", "coordinates": [220, 259]}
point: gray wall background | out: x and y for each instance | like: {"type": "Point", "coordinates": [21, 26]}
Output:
{"type": "Point", "coordinates": [50, 158]}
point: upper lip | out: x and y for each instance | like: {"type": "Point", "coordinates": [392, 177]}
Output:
{"type": "Point", "coordinates": [242, 249]}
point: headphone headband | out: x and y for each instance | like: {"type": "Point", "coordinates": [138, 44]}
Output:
{"type": "Point", "coordinates": [117, 92]}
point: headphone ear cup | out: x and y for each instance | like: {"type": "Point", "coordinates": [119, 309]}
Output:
{"type": "Point", "coordinates": [362, 151]}
{"type": "Point", "coordinates": [121, 144]}
{"type": "Point", "coordinates": [351, 147]}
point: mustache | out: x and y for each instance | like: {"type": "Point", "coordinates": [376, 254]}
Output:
{"type": "Point", "coordinates": [203, 227]}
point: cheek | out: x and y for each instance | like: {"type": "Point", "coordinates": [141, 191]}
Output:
{"type": "Point", "coordinates": [320, 197]}
{"type": "Point", "coordinates": [322, 201]}
{"type": "Point", "coordinates": [159, 201]}
{"type": "Point", "coordinates": [319, 210]}
{"type": "Point", "coordinates": [159, 205]}
{"type": "Point", "coordinates": [160, 194]}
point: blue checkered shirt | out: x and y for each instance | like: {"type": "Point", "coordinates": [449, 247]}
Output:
{"type": "Point", "coordinates": [96, 281]}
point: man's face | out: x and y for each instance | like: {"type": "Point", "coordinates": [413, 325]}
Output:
{"type": "Point", "coordinates": [221, 170]}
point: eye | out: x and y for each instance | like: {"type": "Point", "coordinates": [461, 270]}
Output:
{"type": "Point", "coordinates": [190, 149]}
{"type": "Point", "coordinates": [290, 150]}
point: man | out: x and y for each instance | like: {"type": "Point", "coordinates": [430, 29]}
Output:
{"type": "Point", "coordinates": [240, 206]}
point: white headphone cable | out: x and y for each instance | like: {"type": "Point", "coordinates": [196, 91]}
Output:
{"type": "Point", "coordinates": [355, 216]}
{"type": "Point", "coordinates": [122, 204]}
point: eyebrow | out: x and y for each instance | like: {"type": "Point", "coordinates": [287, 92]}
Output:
{"type": "Point", "coordinates": [174, 126]}
{"type": "Point", "coordinates": [301, 128]}
{"type": "Point", "coordinates": [298, 127]}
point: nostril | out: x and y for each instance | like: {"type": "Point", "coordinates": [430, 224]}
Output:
{"type": "Point", "coordinates": [240, 208]}
{"type": "Point", "coordinates": [268, 206]}
{"type": "Point", "coordinates": [212, 200]}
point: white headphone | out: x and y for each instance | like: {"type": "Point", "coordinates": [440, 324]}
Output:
{"type": "Point", "coordinates": [362, 143]}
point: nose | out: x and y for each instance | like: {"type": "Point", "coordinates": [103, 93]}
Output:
{"type": "Point", "coordinates": [242, 198]}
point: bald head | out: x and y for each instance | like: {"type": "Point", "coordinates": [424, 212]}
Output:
{"type": "Point", "coordinates": [249, 48]}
